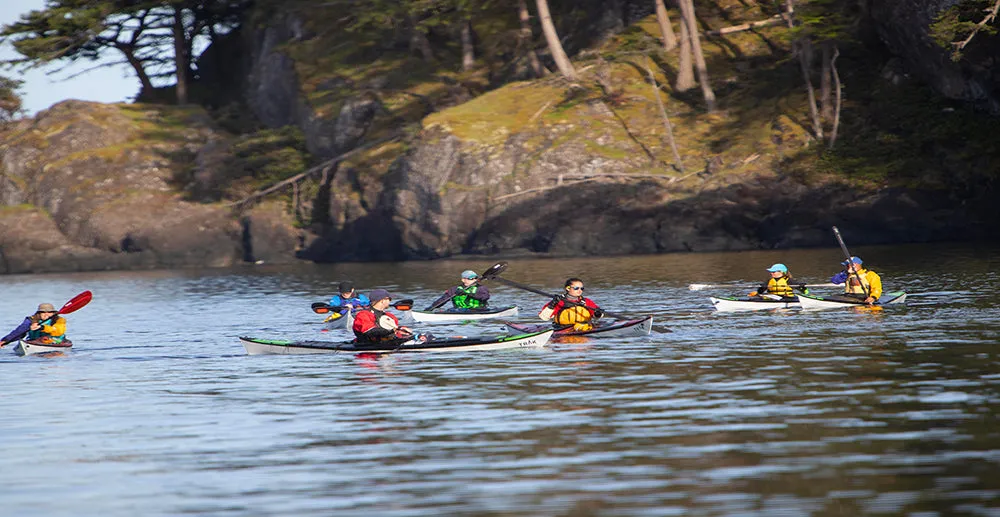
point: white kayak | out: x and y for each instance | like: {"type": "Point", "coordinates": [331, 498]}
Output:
{"type": "Point", "coordinates": [258, 346]}
{"type": "Point", "coordinates": [453, 314]}
{"type": "Point", "coordinates": [26, 347]}
{"type": "Point", "coordinates": [337, 320]}
{"type": "Point", "coordinates": [838, 301]}
{"type": "Point", "coordinates": [754, 303]}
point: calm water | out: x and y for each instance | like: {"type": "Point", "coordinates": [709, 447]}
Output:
{"type": "Point", "coordinates": [158, 411]}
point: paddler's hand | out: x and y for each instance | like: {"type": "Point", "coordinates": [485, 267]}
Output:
{"type": "Point", "coordinates": [3, 344]}
{"type": "Point", "coordinates": [598, 313]}
{"type": "Point", "coordinates": [554, 301]}
{"type": "Point", "coordinates": [752, 294]}
{"type": "Point", "coordinates": [869, 300]}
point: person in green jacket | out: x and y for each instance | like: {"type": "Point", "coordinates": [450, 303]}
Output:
{"type": "Point", "coordinates": [470, 295]}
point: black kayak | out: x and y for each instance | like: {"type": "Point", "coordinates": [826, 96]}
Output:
{"type": "Point", "coordinates": [259, 346]}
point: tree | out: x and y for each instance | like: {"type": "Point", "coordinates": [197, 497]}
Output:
{"type": "Point", "coordinates": [526, 38]}
{"type": "Point", "coordinates": [687, 11]}
{"type": "Point", "coordinates": [150, 35]}
{"type": "Point", "coordinates": [685, 65]}
{"type": "Point", "coordinates": [552, 38]}
{"type": "Point", "coordinates": [955, 27]}
{"type": "Point", "coordinates": [666, 31]}
{"type": "Point", "coordinates": [10, 99]}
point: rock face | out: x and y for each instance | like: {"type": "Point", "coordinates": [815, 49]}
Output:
{"type": "Point", "coordinates": [92, 186]}
{"type": "Point", "coordinates": [904, 25]}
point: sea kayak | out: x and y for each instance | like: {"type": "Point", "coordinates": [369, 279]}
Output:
{"type": "Point", "coordinates": [839, 301]}
{"type": "Point", "coordinates": [453, 314]}
{"type": "Point", "coordinates": [639, 327]}
{"type": "Point", "coordinates": [337, 320]}
{"type": "Point", "coordinates": [258, 346]}
{"type": "Point", "coordinates": [753, 303]}
{"type": "Point", "coordinates": [26, 347]}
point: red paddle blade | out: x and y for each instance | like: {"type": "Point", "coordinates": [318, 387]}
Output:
{"type": "Point", "coordinates": [76, 303]}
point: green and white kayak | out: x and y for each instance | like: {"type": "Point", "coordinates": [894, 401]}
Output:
{"type": "Point", "coordinates": [258, 346]}
{"type": "Point", "coordinates": [811, 302]}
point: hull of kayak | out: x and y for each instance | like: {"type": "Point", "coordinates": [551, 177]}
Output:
{"type": "Point", "coordinates": [464, 314]}
{"type": "Point", "coordinates": [256, 346]}
{"type": "Point", "coordinates": [836, 302]}
{"type": "Point", "coordinates": [627, 328]}
{"type": "Point", "coordinates": [339, 321]}
{"type": "Point", "coordinates": [726, 304]}
{"type": "Point", "coordinates": [25, 347]}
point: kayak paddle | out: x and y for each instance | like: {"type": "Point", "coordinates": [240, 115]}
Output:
{"type": "Point", "coordinates": [76, 303]}
{"type": "Point", "coordinates": [323, 308]}
{"type": "Point", "coordinates": [499, 267]}
{"type": "Point", "coordinates": [843, 247]}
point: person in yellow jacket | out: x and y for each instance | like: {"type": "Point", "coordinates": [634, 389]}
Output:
{"type": "Point", "coordinates": [780, 283]}
{"type": "Point", "coordinates": [862, 283]}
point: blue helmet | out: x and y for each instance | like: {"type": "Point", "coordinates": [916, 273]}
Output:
{"type": "Point", "coordinates": [470, 274]}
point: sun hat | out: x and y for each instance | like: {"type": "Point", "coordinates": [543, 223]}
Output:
{"type": "Point", "coordinates": [856, 260]}
{"type": "Point", "coordinates": [345, 287]}
{"type": "Point", "coordinates": [470, 274]}
{"type": "Point", "coordinates": [379, 294]}
{"type": "Point", "coordinates": [46, 307]}
{"type": "Point", "coordinates": [778, 268]}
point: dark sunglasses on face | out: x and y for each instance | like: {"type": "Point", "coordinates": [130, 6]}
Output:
{"type": "Point", "coordinates": [575, 288]}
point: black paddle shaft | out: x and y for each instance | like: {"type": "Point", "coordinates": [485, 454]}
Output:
{"type": "Point", "coordinates": [843, 247]}
{"type": "Point", "coordinates": [543, 293]}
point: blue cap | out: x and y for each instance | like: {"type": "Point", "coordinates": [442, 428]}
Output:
{"type": "Point", "coordinates": [470, 274]}
{"type": "Point", "coordinates": [856, 260]}
{"type": "Point", "coordinates": [778, 268]}
{"type": "Point", "coordinates": [379, 294]}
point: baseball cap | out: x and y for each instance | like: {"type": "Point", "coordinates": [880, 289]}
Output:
{"type": "Point", "coordinates": [778, 267]}
{"type": "Point", "coordinates": [345, 287]}
{"type": "Point", "coordinates": [856, 260]}
{"type": "Point", "coordinates": [378, 294]}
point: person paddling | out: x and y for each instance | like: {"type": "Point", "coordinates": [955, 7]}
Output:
{"type": "Point", "coordinates": [348, 298]}
{"type": "Point", "coordinates": [470, 295]}
{"type": "Point", "coordinates": [780, 283]}
{"type": "Point", "coordinates": [863, 284]}
{"type": "Point", "coordinates": [572, 308]}
{"type": "Point", "coordinates": [44, 326]}
{"type": "Point", "coordinates": [374, 325]}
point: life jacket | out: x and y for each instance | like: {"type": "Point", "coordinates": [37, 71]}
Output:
{"type": "Point", "coordinates": [371, 318]}
{"type": "Point", "coordinates": [573, 314]}
{"type": "Point", "coordinates": [855, 286]}
{"type": "Point", "coordinates": [462, 300]}
{"type": "Point", "coordinates": [58, 331]}
{"type": "Point", "coordinates": [780, 286]}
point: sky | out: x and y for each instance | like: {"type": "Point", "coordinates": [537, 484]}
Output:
{"type": "Point", "coordinates": [42, 89]}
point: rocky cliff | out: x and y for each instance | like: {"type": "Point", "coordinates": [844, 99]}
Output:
{"type": "Point", "coordinates": [90, 186]}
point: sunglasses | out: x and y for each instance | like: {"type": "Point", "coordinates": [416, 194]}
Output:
{"type": "Point", "coordinates": [574, 288]}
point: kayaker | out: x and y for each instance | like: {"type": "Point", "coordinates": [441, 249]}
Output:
{"type": "Point", "coordinates": [572, 308]}
{"type": "Point", "coordinates": [470, 295]}
{"type": "Point", "coordinates": [779, 284]}
{"type": "Point", "coordinates": [348, 298]}
{"type": "Point", "coordinates": [862, 283]}
{"type": "Point", "coordinates": [45, 326]}
{"type": "Point", "coordinates": [374, 325]}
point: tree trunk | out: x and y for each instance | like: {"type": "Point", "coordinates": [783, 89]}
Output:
{"type": "Point", "coordinates": [685, 65]}
{"type": "Point", "coordinates": [666, 119]}
{"type": "Point", "coordinates": [468, 48]}
{"type": "Point", "coordinates": [687, 11]}
{"type": "Point", "coordinates": [826, 84]}
{"type": "Point", "coordinates": [552, 38]}
{"type": "Point", "coordinates": [180, 56]}
{"type": "Point", "coordinates": [837, 97]}
{"type": "Point", "coordinates": [527, 38]}
{"type": "Point", "coordinates": [805, 62]}
{"type": "Point", "coordinates": [418, 40]}
{"type": "Point", "coordinates": [140, 72]}
{"type": "Point", "coordinates": [666, 30]}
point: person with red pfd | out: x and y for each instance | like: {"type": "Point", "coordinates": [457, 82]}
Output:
{"type": "Point", "coordinates": [572, 308]}
{"type": "Point", "coordinates": [374, 325]}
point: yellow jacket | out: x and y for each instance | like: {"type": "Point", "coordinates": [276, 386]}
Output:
{"type": "Point", "coordinates": [871, 282]}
